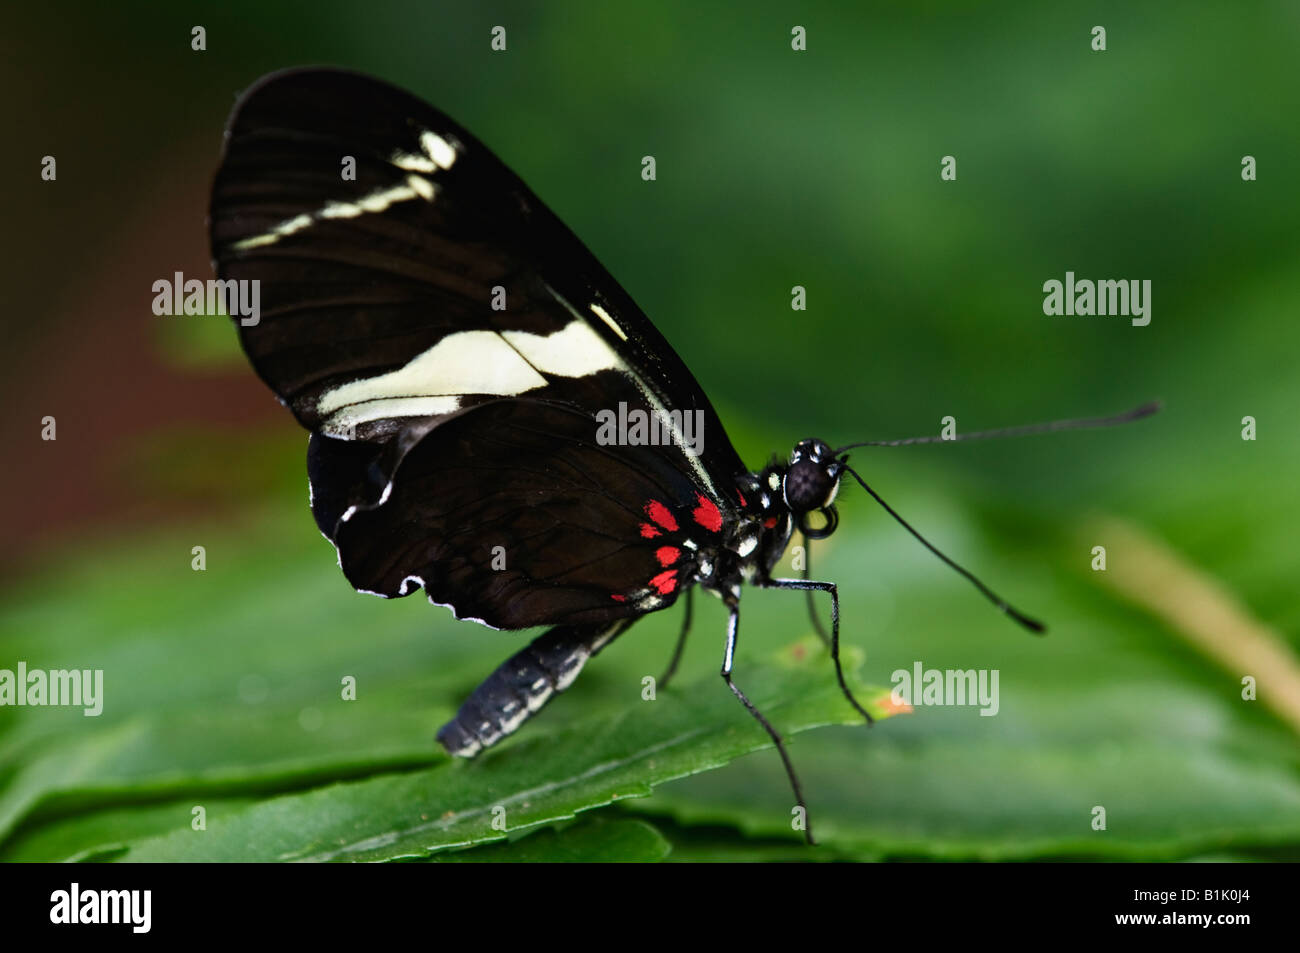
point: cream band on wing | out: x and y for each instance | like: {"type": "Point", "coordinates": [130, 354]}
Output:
{"type": "Point", "coordinates": [468, 362]}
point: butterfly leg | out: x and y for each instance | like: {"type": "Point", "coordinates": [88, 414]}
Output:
{"type": "Point", "coordinates": [733, 628]}
{"type": "Point", "coordinates": [681, 640]}
{"type": "Point", "coordinates": [522, 684]}
{"type": "Point", "coordinates": [812, 586]}
{"type": "Point", "coordinates": [812, 604]}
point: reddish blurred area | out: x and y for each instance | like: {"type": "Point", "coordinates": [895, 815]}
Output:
{"type": "Point", "coordinates": [95, 362]}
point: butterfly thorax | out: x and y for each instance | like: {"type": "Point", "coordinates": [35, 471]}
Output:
{"type": "Point", "coordinates": [773, 502]}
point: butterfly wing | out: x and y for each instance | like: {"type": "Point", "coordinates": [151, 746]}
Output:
{"type": "Point", "coordinates": [408, 282]}
{"type": "Point", "coordinates": [431, 280]}
{"type": "Point", "coordinates": [514, 515]}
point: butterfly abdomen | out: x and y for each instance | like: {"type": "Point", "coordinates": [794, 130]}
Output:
{"type": "Point", "coordinates": [524, 683]}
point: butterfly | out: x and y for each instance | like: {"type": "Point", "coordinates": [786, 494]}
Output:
{"type": "Point", "coordinates": [459, 358]}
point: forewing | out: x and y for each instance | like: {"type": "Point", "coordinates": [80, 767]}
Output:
{"type": "Point", "coordinates": [406, 273]}
{"type": "Point", "coordinates": [449, 343]}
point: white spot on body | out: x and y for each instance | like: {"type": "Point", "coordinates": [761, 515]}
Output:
{"type": "Point", "coordinates": [539, 696]}
{"type": "Point", "coordinates": [512, 719]}
{"type": "Point", "coordinates": [568, 676]}
{"type": "Point", "coordinates": [469, 750]}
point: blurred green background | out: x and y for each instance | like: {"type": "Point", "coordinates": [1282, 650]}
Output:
{"type": "Point", "coordinates": [775, 168]}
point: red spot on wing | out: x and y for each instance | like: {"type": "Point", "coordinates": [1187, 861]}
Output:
{"type": "Point", "coordinates": [667, 555]}
{"type": "Point", "coordinates": [707, 514]}
{"type": "Point", "coordinates": [770, 522]}
{"type": "Point", "coordinates": [648, 531]}
{"type": "Point", "coordinates": [618, 598]}
{"type": "Point", "coordinates": [742, 497]}
{"type": "Point", "coordinates": [665, 582]}
{"type": "Point", "coordinates": [659, 513]}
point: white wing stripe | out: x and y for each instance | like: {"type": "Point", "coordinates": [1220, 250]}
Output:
{"type": "Point", "coordinates": [467, 362]}
{"type": "Point", "coordinates": [374, 202]}
{"type": "Point", "coordinates": [573, 351]}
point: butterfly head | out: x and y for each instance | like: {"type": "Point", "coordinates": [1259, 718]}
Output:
{"type": "Point", "coordinates": [810, 484]}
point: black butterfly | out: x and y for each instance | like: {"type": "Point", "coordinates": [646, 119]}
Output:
{"type": "Point", "coordinates": [454, 351]}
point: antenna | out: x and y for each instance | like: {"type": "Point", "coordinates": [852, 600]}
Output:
{"type": "Point", "coordinates": [1033, 625]}
{"type": "Point", "coordinates": [1082, 423]}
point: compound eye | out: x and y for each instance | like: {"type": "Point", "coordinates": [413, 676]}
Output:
{"type": "Point", "coordinates": [806, 486]}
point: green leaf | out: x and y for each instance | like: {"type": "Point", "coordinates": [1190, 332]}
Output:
{"type": "Point", "coordinates": [536, 780]}
{"type": "Point", "coordinates": [1110, 709]}
{"type": "Point", "coordinates": [106, 833]}
{"type": "Point", "coordinates": [723, 844]}
{"type": "Point", "coordinates": [598, 840]}
{"type": "Point", "coordinates": [1008, 802]}
{"type": "Point", "coordinates": [219, 682]}
{"type": "Point", "coordinates": [224, 685]}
